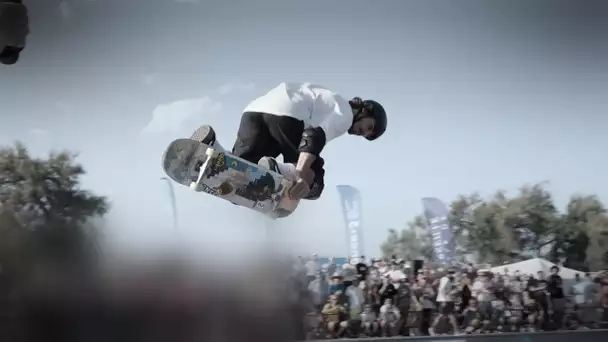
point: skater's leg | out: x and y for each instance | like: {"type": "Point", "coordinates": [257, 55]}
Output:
{"type": "Point", "coordinates": [206, 135]}
{"type": "Point", "coordinates": [286, 132]}
{"type": "Point", "coordinates": [253, 141]}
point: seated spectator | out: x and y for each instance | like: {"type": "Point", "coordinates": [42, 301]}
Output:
{"type": "Point", "coordinates": [335, 316]}
{"type": "Point", "coordinates": [471, 317]}
{"type": "Point", "coordinates": [498, 318]}
{"type": "Point", "coordinates": [389, 318]}
{"type": "Point", "coordinates": [369, 321]}
{"type": "Point", "coordinates": [514, 315]}
{"type": "Point", "coordinates": [532, 313]}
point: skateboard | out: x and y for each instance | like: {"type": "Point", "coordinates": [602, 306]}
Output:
{"type": "Point", "coordinates": [223, 175]}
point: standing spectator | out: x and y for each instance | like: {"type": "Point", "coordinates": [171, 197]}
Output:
{"type": "Point", "coordinates": [332, 267]}
{"type": "Point", "coordinates": [337, 284]}
{"type": "Point", "coordinates": [389, 317]}
{"type": "Point", "coordinates": [515, 289]}
{"type": "Point", "coordinates": [541, 296]}
{"type": "Point", "coordinates": [425, 294]}
{"type": "Point", "coordinates": [395, 273]}
{"type": "Point", "coordinates": [387, 290]}
{"type": "Point", "coordinates": [356, 301]}
{"type": "Point", "coordinates": [318, 290]}
{"type": "Point", "coordinates": [312, 268]}
{"type": "Point", "coordinates": [403, 301]}
{"type": "Point", "coordinates": [465, 285]}
{"type": "Point", "coordinates": [483, 291]}
{"type": "Point", "coordinates": [349, 272]}
{"type": "Point", "coordinates": [585, 295]}
{"type": "Point", "coordinates": [362, 269]}
{"type": "Point", "coordinates": [603, 296]}
{"type": "Point", "coordinates": [556, 295]}
{"type": "Point", "coordinates": [446, 292]}
{"type": "Point", "coordinates": [374, 298]}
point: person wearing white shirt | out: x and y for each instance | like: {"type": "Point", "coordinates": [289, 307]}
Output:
{"type": "Point", "coordinates": [312, 267]}
{"type": "Point", "coordinates": [297, 120]}
{"type": "Point", "coordinates": [445, 300]}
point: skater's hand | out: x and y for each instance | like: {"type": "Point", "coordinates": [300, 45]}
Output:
{"type": "Point", "coordinates": [304, 179]}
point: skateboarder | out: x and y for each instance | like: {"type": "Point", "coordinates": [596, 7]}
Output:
{"type": "Point", "coordinates": [297, 120]}
{"type": "Point", "coordinates": [14, 28]}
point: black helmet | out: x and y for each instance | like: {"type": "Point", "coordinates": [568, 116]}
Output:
{"type": "Point", "coordinates": [375, 110]}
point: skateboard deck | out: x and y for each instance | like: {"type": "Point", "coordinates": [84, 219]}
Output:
{"type": "Point", "coordinates": [220, 174]}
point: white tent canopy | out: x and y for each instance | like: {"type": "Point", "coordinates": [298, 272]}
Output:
{"type": "Point", "coordinates": [532, 266]}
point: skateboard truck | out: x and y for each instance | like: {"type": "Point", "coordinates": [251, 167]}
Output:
{"type": "Point", "coordinates": [198, 186]}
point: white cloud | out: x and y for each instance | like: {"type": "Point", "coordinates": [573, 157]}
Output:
{"type": "Point", "coordinates": [38, 132]}
{"type": "Point", "coordinates": [171, 117]}
{"type": "Point", "coordinates": [65, 10]}
{"type": "Point", "coordinates": [64, 107]}
{"type": "Point", "coordinates": [150, 79]}
{"type": "Point", "coordinates": [235, 87]}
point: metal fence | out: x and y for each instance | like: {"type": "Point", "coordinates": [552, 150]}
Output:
{"type": "Point", "coordinates": [552, 336]}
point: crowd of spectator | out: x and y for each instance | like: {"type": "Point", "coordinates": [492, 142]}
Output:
{"type": "Point", "coordinates": [386, 297]}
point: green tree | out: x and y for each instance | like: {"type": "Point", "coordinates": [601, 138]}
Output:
{"type": "Point", "coordinates": [42, 197]}
{"type": "Point", "coordinates": [507, 229]}
{"type": "Point", "coordinates": [412, 243]}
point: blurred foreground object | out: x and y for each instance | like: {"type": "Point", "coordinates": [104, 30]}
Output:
{"type": "Point", "coordinates": [14, 28]}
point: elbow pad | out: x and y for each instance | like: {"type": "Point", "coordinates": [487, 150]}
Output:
{"type": "Point", "coordinates": [313, 141]}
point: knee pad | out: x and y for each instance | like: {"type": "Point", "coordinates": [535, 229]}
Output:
{"type": "Point", "coordinates": [317, 167]}
{"type": "Point", "coordinates": [316, 189]}
{"type": "Point", "coordinates": [313, 141]}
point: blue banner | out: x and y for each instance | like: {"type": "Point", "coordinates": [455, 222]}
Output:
{"type": "Point", "coordinates": [436, 212]}
{"type": "Point", "coordinates": [351, 210]}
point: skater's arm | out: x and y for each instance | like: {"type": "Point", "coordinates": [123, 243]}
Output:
{"type": "Point", "coordinates": [305, 160]}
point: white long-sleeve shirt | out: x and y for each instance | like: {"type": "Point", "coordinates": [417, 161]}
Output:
{"type": "Point", "coordinates": [315, 105]}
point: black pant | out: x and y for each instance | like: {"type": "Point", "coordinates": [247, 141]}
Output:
{"type": "Point", "coordinates": [266, 135]}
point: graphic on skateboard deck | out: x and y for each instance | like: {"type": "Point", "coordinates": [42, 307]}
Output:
{"type": "Point", "coordinates": [201, 167]}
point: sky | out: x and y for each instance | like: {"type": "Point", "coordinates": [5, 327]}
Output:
{"type": "Point", "coordinates": [480, 96]}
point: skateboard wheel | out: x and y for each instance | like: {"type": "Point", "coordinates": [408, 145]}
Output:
{"type": "Point", "coordinates": [197, 166]}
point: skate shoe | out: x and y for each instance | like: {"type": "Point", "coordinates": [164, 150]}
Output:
{"type": "Point", "coordinates": [204, 134]}
{"type": "Point", "coordinates": [285, 169]}
{"type": "Point", "coordinates": [270, 164]}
